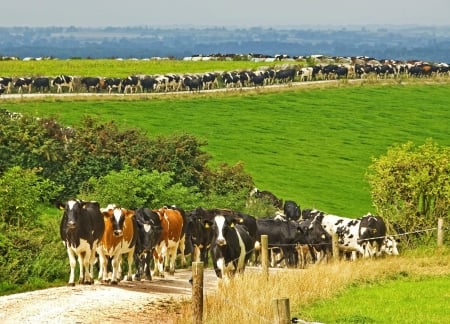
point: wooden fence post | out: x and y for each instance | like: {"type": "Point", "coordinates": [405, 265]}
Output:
{"type": "Point", "coordinates": [265, 255]}
{"type": "Point", "coordinates": [197, 292]}
{"type": "Point", "coordinates": [281, 311]}
{"type": "Point", "coordinates": [440, 232]}
{"type": "Point", "coordinates": [335, 246]}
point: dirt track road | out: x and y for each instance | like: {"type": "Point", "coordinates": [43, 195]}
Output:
{"type": "Point", "coordinates": [130, 302]}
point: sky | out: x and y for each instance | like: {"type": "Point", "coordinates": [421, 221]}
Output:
{"type": "Point", "coordinates": [227, 13]}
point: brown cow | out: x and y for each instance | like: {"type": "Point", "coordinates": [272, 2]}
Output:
{"type": "Point", "coordinates": [119, 238]}
{"type": "Point", "coordinates": [172, 237]}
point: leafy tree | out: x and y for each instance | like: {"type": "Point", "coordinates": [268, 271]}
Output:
{"type": "Point", "coordinates": [411, 186]}
{"type": "Point", "coordinates": [30, 142]}
{"type": "Point", "coordinates": [134, 188]}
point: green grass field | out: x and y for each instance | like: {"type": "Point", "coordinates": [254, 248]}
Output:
{"type": "Point", "coordinates": [309, 145]}
{"type": "Point", "coordinates": [405, 300]}
{"type": "Point", "coordinates": [117, 68]}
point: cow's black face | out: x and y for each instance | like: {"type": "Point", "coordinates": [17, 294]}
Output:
{"type": "Point", "coordinates": [149, 234]}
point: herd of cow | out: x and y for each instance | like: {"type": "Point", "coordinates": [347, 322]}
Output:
{"type": "Point", "coordinates": [231, 238]}
{"type": "Point", "coordinates": [230, 79]}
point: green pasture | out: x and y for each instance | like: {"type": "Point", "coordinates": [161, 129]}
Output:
{"type": "Point", "coordinates": [118, 68]}
{"type": "Point", "coordinates": [309, 145]}
{"type": "Point", "coordinates": [403, 300]}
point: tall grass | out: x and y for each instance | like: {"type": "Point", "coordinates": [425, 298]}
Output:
{"type": "Point", "coordinates": [392, 290]}
{"type": "Point", "coordinates": [311, 145]}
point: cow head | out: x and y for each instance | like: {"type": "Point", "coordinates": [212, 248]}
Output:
{"type": "Point", "coordinates": [220, 227]}
{"type": "Point", "coordinates": [389, 246]}
{"type": "Point", "coordinates": [291, 210]}
{"type": "Point", "coordinates": [72, 211]}
{"type": "Point", "coordinates": [198, 225]}
{"type": "Point", "coordinates": [315, 234]}
{"type": "Point", "coordinates": [149, 228]}
{"type": "Point", "coordinates": [117, 217]}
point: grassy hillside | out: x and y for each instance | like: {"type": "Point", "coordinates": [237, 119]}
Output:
{"type": "Point", "coordinates": [117, 68]}
{"type": "Point", "coordinates": [310, 145]}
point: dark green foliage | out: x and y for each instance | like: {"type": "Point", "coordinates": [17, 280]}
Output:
{"type": "Point", "coordinates": [42, 161]}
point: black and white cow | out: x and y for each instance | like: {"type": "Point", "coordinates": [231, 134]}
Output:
{"type": "Point", "coordinates": [389, 246]}
{"type": "Point", "coordinates": [149, 232]}
{"type": "Point", "coordinates": [283, 236]}
{"type": "Point", "coordinates": [353, 234]}
{"type": "Point", "coordinates": [61, 81]}
{"type": "Point", "coordinates": [231, 79]}
{"type": "Point", "coordinates": [81, 229]}
{"type": "Point", "coordinates": [41, 84]}
{"type": "Point", "coordinates": [285, 75]}
{"type": "Point", "coordinates": [318, 240]}
{"type": "Point", "coordinates": [266, 196]}
{"type": "Point", "coordinates": [148, 84]}
{"type": "Point", "coordinates": [372, 233]}
{"type": "Point", "coordinates": [6, 84]}
{"type": "Point", "coordinates": [111, 84]}
{"type": "Point", "coordinates": [192, 82]}
{"type": "Point", "coordinates": [23, 83]}
{"type": "Point", "coordinates": [210, 80]}
{"type": "Point", "coordinates": [231, 246]}
{"type": "Point", "coordinates": [199, 232]}
{"type": "Point", "coordinates": [131, 84]}
{"type": "Point", "coordinates": [91, 83]}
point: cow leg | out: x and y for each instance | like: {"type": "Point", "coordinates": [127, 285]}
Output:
{"type": "Point", "coordinates": [181, 247]}
{"type": "Point", "coordinates": [148, 273]}
{"type": "Point", "coordinates": [171, 258]}
{"type": "Point", "coordinates": [159, 265]}
{"type": "Point", "coordinates": [139, 264]}
{"type": "Point", "coordinates": [87, 268]}
{"type": "Point", "coordinates": [130, 265]}
{"type": "Point", "coordinates": [73, 264]}
{"type": "Point", "coordinates": [103, 265]}
{"type": "Point", "coordinates": [116, 264]}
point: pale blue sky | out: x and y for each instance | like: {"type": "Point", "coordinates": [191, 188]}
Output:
{"type": "Point", "coordinates": [237, 13]}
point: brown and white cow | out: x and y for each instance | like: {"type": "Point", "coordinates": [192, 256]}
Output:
{"type": "Point", "coordinates": [119, 238]}
{"type": "Point", "coordinates": [172, 238]}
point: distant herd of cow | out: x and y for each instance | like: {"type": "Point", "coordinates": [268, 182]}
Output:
{"type": "Point", "coordinates": [231, 238]}
{"type": "Point", "coordinates": [213, 80]}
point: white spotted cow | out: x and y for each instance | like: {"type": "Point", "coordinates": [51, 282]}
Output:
{"type": "Point", "coordinates": [63, 81]}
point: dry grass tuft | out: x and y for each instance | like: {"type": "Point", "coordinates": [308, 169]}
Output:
{"type": "Point", "coordinates": [248, 298]}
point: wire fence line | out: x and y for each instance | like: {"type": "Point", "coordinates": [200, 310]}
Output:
{"type": "Point", "coordinates": [263, 319]}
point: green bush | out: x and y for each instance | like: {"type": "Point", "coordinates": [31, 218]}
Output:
{"type": "Point", "coordinates": [410, 185]}
{"type": "Point", "coordinates": [132, 188]}
{"type": "Point", "coordinates": [21, 192]}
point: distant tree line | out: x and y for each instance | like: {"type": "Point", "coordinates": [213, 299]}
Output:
{"type": "Point", "coordinates": [402, 43]}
